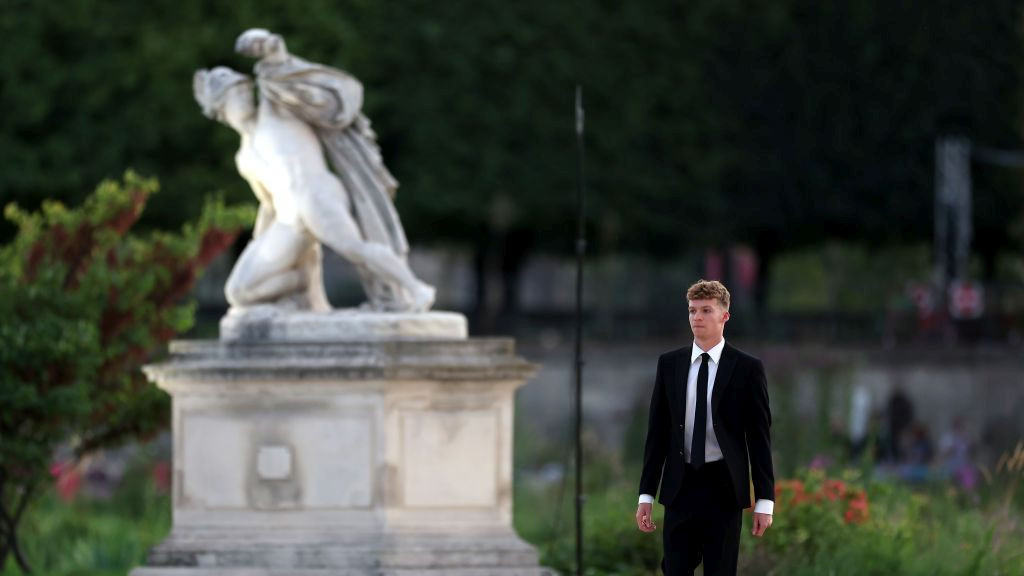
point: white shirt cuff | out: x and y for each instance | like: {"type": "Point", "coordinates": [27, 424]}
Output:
{"type": "Point", "coordinates": [760, 507]}
{"type": "Point", "coordinates": [764, 507]}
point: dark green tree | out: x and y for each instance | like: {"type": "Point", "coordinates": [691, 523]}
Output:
{"type": "Point", "coordinates": [776, 124]}
{"type": "Point", "coordinates": [835, 109]}
{"type": "Point", "coordinates": [91, 86]}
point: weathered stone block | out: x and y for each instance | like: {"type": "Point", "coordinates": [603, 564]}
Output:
{"type": "Point", "coordinates": [357, 457]}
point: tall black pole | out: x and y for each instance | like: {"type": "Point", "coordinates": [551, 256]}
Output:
{"type": "Point", "coordinates": [581, 249]}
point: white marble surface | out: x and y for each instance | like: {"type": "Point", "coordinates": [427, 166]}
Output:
{"type": "Point", "coordinates": [272, 324]}
{"type": "Point", "coordinates": [312, 160]}
{"type": "Point", "coordinates": [386, 457]}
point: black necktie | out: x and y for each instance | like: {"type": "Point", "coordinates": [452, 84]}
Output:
{"type": "Point", "coordinates": [700, 416]}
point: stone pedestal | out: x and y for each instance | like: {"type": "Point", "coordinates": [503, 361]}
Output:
{"type": "Point", "coordinates": [383, 457]}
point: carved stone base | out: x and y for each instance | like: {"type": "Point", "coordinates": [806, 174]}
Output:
{"type": "Point", "coordinates": [272, 324]}
{"type": "Point", "coordinates": [344, 458]}
{"type": "Point", "coordinates": [265, 553]}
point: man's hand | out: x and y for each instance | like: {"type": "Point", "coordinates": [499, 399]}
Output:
{"type": "Point", "coordinates": [643, 518]}
{"type": "Point", "coordinates": [761, 523]}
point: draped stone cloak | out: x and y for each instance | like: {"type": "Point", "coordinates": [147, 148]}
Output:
{"type": "Point", "coordinates": [330, 101]}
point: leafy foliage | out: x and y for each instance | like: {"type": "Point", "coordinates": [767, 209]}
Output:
{"type": "Point", "coordinates": [84, 304]}
{"type": "Point", "coordinates": [97, 536]}
{"type": "Point", "coordinates": [821, 525]}
{"type": "Point", "coordinates": [825, 525]}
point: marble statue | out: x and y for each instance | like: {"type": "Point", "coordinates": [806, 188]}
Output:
{"type": "Point", "coordinates": [360, 441]}
{"type": "Point", "coordinates": [312, 160]}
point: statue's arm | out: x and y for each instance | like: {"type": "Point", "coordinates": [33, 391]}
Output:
{"type": "Point", "coordinates": [260, 43]}
{"type": "Point", "coordinates": [266, 214]}
{"type": "Point", "coordinates": [264, 218]}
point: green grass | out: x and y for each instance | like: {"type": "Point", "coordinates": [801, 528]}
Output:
{"type": "Point", "coordinates": [929, 531]}
{"type": "Point", "coordinates": [94, 537]}
{"type": "Point", "coordinates": [933, 530]}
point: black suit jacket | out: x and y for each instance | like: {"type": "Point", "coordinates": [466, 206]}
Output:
{"type": "Point", "coordinates": [742, 422]}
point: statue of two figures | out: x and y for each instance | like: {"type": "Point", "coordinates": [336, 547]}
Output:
{"type": "Point", "coordinates": [313, 162]}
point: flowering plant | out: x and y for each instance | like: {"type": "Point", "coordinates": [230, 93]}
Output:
{"type": "Point", "coordinates": [815, 512]}
{"type": "Point", "coordinates": [852, 501]}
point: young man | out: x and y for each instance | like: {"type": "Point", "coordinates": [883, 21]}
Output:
{"type": "Point", "coordinates": [709, 423]}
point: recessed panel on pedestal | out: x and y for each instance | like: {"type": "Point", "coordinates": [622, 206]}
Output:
{"type": "Point", "coordinates": [278, 460]}
{"type": "Point", "coordinates": [215, 461]}
{"type": "Point", "coordinates": [449, 458]}
{"type": "Point", "coordinates": [341, 448]}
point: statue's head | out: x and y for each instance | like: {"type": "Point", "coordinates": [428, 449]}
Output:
{"type": "Point", "coordinates": [223, 94]}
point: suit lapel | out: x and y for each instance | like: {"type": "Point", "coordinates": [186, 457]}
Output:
{"type": "Point", "coordinates": [722, 378]}
{"type": "Point", "coordinates": [681, 376]}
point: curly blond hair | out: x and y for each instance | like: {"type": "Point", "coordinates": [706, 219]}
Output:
{"type": "Point", "coordinates": [709, 290]}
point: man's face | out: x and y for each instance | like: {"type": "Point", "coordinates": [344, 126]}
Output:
{"type": "Point", "coordinates": [707, 320]}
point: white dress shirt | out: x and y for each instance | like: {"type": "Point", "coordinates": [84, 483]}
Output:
{"type": "Point", "coordinates": [712, 450]}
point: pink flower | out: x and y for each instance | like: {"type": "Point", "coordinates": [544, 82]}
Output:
{"type": "Point", "coordinates": [857, 509]}
{"type": "Point", "coordinates": [833, 489]}
{"type": "Point", "coordinates": [57, 468]}
{"type": "Point", "coordinates": [819, 462]}
{"type": "Point", "coordinates": [796, 487]}
{"type": "Point", "coordinates": [162, 475]}
{"type": "Point", "coordinates": [69, 481]}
